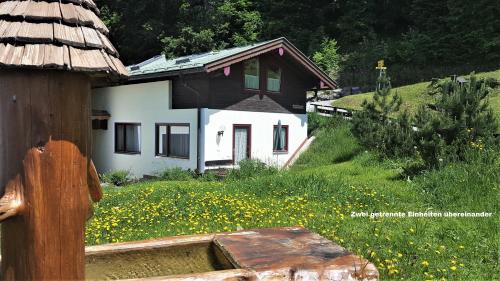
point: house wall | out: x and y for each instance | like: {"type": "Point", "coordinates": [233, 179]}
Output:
{"type": "Point", "coordinates": [148, 104]}
{"type": "Point", "coordinates": [217, 148]}
{"type": "Point", "coordinates": [216, 91]}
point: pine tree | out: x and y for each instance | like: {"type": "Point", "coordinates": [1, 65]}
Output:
{"type": "Point", "coordinates": [460, 120]}
{"type": "Point", "coordinates": [376, 128]}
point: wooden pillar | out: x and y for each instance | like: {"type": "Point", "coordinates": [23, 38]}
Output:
{"type": "Point", "coordinates": [44, 163]}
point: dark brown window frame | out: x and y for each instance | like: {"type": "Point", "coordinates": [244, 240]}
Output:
{"type": "Point", "coordinates": [125, 138]}
{"type": "Point", "coordinates": [157, 134]}
{"type": "Point", "coordinates": [286, 139]}
{"type": "Point", "coordinates": [264, 66]}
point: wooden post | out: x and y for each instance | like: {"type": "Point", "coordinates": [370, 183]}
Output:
{"type": "Point", "coordinates": [44, 172]}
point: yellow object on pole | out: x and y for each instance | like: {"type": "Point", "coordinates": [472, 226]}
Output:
{"type": "Point", "coordinates": [381, 65]}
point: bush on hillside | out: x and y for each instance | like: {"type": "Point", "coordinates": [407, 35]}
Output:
{"type": "Point", "coordinates": [176, 174]}
{"type": "Point", "coordinates": [460, 120]}
{"type": "Point", "coordinates": [116, 178]}
{"type": "Point", "coordinates": [316, 122]}
{"type": "Point", "coordinates": [250, 168]}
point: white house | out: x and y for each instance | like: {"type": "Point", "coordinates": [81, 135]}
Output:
{"type": "Point", "coordinates": [206, 111]}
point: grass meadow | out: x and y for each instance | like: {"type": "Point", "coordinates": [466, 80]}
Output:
{"type": "Point", "coordinates": [329, 182]}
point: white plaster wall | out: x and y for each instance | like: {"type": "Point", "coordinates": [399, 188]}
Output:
{"type": "Point", "coordinates": [221, 148]}
{"type": "Point", "coordinates": [148, 104]}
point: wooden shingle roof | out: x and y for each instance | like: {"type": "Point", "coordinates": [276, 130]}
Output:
{"type": "Point", "coordinates": [64, 34]}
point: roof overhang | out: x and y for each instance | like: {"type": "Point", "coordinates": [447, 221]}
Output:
{"type": "Point", "coordinates": [283, 43]}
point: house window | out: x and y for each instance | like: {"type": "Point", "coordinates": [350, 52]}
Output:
{"type": "Point", "coordinates": [172, 140]}
{"type": "Point", "coordinates": [274, 79]}
{"type": "Point", "coordinates": [128, 138]}
{"type": "Point", "coordinates": [252, 77]}
{"type": "Point", "coordinates": [280, 139]}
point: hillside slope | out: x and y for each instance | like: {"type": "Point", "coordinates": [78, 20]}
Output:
{"type": "Point", "coordinates": [414, 96]}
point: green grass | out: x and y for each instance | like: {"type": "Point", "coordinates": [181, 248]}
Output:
{"type": "Point", "coordinates": [330, 181]}
{"type": "Point", "coordinates": [414, 96]}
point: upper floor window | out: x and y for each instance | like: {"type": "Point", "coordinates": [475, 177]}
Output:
{"type": "Point", "coordinates": [128, 138]}
{"type": "Point", "coordinates": [274, 79]}
{"type": "Point", "coordinates": [252, 71]}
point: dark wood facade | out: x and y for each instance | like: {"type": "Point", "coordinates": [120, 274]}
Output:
{"type": "Point", "coordinates": [216, 91]}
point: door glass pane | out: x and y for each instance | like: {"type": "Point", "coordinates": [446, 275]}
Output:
{"type": "Point", "coordinates": [252, 70]}
{"type": "Point", "coordinates": [240, 144]}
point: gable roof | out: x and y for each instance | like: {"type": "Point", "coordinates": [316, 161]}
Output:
{"type": "Point", "coordinates": [160, 66]}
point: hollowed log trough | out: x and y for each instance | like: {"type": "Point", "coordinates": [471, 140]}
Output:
{"type": "Point", "coordinates": [291, 253]}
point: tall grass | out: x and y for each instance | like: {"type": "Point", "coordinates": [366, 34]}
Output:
{"type": "Point", "coordinates": [333, 145]}
{"type": "Point", "coordinates": [332, 180]}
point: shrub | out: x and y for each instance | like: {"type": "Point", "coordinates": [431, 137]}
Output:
{"type": "Point", "coordinates": [316, 122]}
{"type": "Point", "coordinates": [461, 120]}
{"type": "Point", "coordinates": [250, 168]}
{"type": "Point", "coordinates": [117, 178]}
{"type": "Point", "coordinates": [209, 176]}
{"type": "Point", "coordinates": [176, 174]}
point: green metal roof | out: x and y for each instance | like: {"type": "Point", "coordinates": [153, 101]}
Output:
{"type": "Point", "coordinates": [160, 64]}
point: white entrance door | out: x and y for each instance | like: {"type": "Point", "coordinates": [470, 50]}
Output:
{"type": "Point", "coordinates": [241, 143]}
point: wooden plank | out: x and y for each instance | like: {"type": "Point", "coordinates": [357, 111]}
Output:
{"type": "Point", "coordinates": [2, 49]}
{"type": "Point", "coordinates": [69, 35]}
{"type": "Point", "coordinates": [69, 14]}
{"type": "Point", "coordinates": [92, 39]}
{"type": "Point", "coordinates": [15, 125]}
{"type": "Point", "coordinates": [54, 11]}
{"type": "Point", "coordinates": [77, 2]}
{"type": "Point", "coordinates": [66, 57]}
{"type": "Point", "coordinates": [42, 11]}
{"type": "Point", "coordinates": [122, 70]}
{"type": "Point", "coordinates": [11, 30]}
{"type": "Point", "coordinates": [15, 55]}
{"type": "Point", "coordinates": [107, 44]}
{"type": "Point", "coordinates": [6, 54]}
{"type": "Point", "coordinates": [33, 55]}
{"type": "Point", "coordinates": [20, 9]}
{"type": "Point", "coordinates": [91, 4]}
{"type": "Point", "coordinates": [97, 60]}
{"type": "Point", "coordinates": [3, 27]}
{"type": "Point", "coordinates": [6, 7]}
{"type": "Point", "coordinates": [99, 25]}
{"type": "Point", "coordinates": [84, 16]}
{"type": "Point", "coordinates": [87, 60]}
{"type": "Point", "coordinates": [74, 188]}
{"type": "Point", "coordinates": [53, 56]}
{"type": "Point", "coordinates": [35, 33]}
